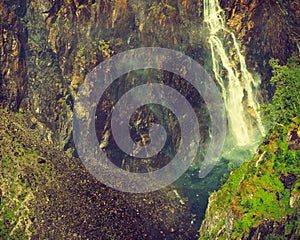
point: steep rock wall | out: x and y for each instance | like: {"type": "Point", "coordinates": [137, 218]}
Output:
{"type": "Point", "coordinates": [13, 78]}
{"type": "Point", "coordinates": [266, 29]}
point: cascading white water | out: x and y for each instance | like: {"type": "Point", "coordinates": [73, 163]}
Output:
{"type": "Point", "coordinates": [237, 84]}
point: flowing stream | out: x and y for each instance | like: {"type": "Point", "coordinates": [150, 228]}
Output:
{"type": "Point", "coordinates": [238, 86]}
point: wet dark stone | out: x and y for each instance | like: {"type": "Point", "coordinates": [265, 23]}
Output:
{"type": "Point", "coordinates": [33, 126]}
{"type": "Point", "coordinates": [266, 228]}
{"type": "Point", "coordinates": [294, 140]}
{"type": "Point", "coordinates": [294, 146]}
{"type": "Point", "coordinates": [288, 181]}
{"type": "Point", "coordinates": [18, 6]}
{"type": "Point", "coordinates": [292, 135]}
{"type": "Point", "coordinates": [41, 160]}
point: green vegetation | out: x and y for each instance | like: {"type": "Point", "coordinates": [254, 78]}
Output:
{"type": "Point", "coordinates": [286, 100]}
{"type": "Point", "coordinates": [81, 6]}
{"type": "Point", "coordinates": [263, 195]}
{"type": "Point", "coordinates": [103, 46]}
{"type": "Point", "coordinates": [14, 210]}
{"type": "Point", "coordinates": [22, 170]}
{"type": "Point", "coordinates": [257, 192]}
{"type": "Point", "coordinates": [161, 7]}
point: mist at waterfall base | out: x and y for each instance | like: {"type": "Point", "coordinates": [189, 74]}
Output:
{"type": "Point", "coordinates": [196, 190]}
{"type": "Point", "coordinates": [239, 90]}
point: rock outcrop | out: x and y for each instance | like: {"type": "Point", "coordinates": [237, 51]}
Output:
{"type": "Point", "coordinates": [13, 72]}
{"type": "Point", "coordinates": [266, 29]}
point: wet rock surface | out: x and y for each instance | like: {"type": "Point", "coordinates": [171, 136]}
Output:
{"type": "Point", "coordinates": [293, 139]}
{"type": "Point", "coordinates": [50, 46]}
{"type": "Point", "coordinates": [13, 72]}
{"type": "Point", "coordinates": [270, 228]}
{"type": "Point", "coordinates": [266, 29]}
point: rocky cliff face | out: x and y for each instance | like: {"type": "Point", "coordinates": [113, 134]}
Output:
{"type": "Point", "coordinates": [48, 47]}
{"type": "Point", "coordinates": [267, 29]}
{"type": "Point", "coordinates": [13, 74]}
{"type": "Point", "coordinates": [56, 43]}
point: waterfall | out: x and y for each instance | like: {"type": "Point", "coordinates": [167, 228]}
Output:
{"type": "Point", "coordinates": [237, 84]}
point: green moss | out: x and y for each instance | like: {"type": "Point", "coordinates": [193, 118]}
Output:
{"type": "Point", "coordinates": [289, 226]}
{"type": "Point", "coordinates": [255, 192]}
{"type": "Point", "coordinates": [103, 46]}
{"type": "Point", "coordinates": [213, 234]}
{"type": "Point", "coordinates": [285, 101]}
{"type": "Point", "coordinates": [274, 237]}
{"type": "Point", "coordinates": [17, 190]}
{"type": "Point", "coordinates": [228, 190]}
{"type": "Point", "coordinates": [81, 6]}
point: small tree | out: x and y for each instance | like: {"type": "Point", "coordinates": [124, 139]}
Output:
{"type": "Point", "coordinates": [285, 103]}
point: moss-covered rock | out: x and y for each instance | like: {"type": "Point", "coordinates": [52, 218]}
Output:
{"type": "Point", "coordinates": [260, 200]}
